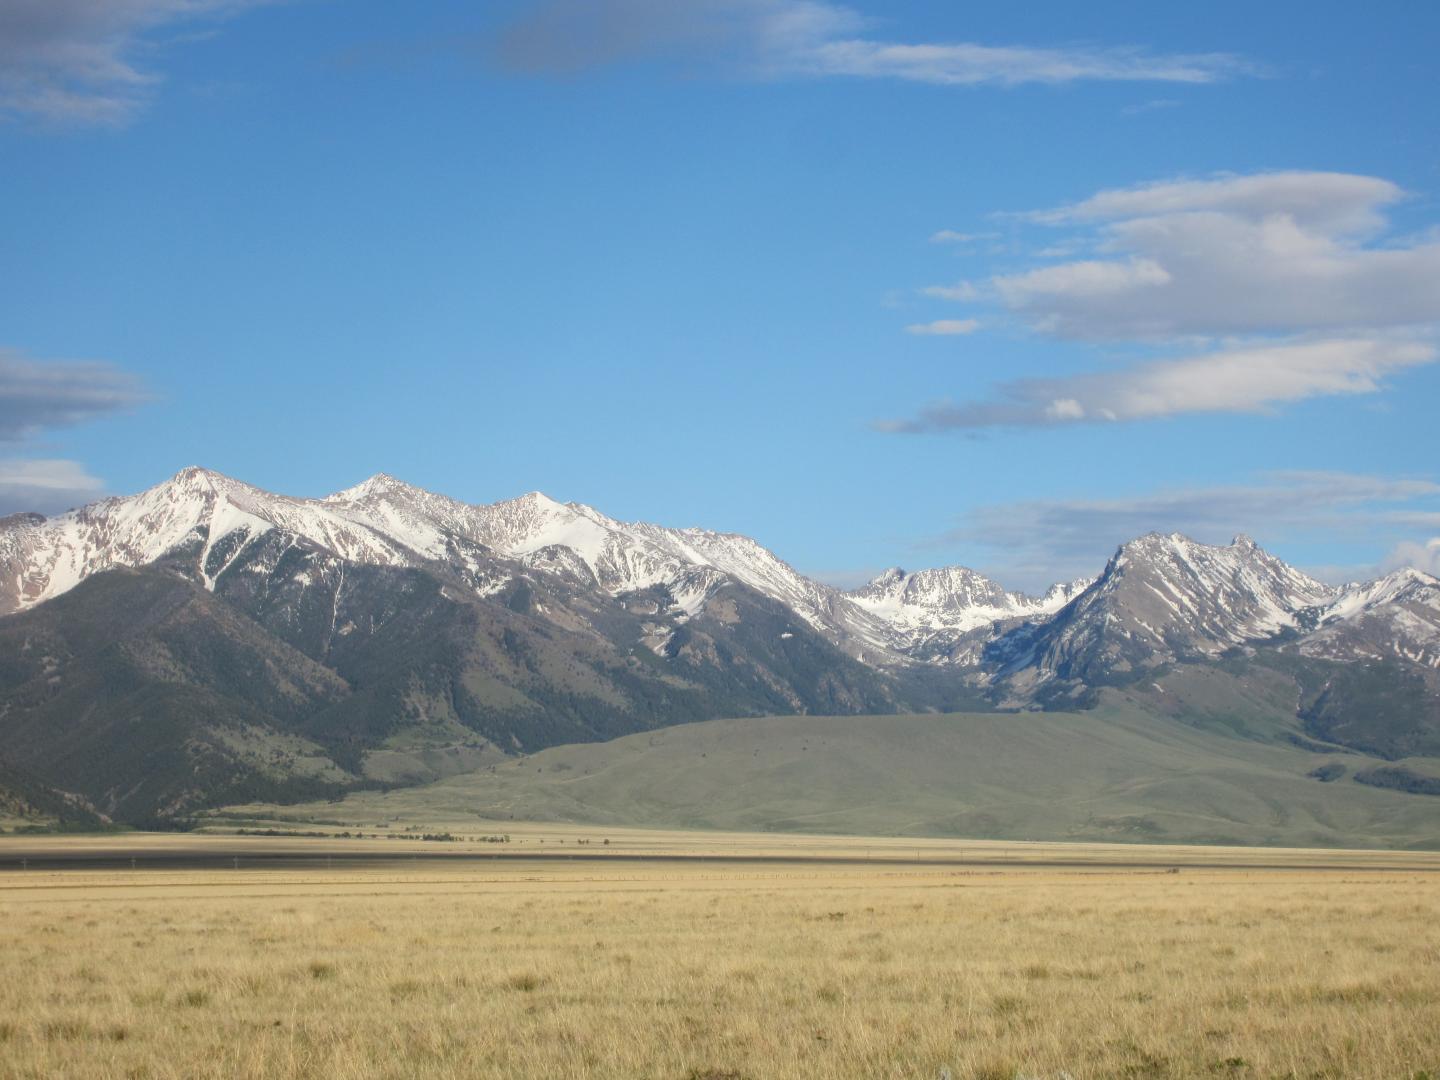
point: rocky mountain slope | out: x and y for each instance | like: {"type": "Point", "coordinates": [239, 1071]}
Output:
{"type": "Point", "coordinates": [384, 522]}
{"type": "Point", "coordinates": [947, 615]}
{"type": "Point", "coordinates": [227, 639]}
{"type": "Point", "coordinates": [1163, 599]}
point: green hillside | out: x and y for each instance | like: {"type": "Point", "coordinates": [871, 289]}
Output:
{"type": "Point", "coordinates": [1115, 773]}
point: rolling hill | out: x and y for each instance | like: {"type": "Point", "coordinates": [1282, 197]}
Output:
{"type": "Point", "coordinates": [1115, 773]}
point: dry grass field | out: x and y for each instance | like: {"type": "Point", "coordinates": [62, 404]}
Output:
{"type": "Point", "coordinates": [970, 961]}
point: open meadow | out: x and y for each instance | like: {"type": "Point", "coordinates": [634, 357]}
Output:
{"type": "Point", "coordinates": [687, 956]}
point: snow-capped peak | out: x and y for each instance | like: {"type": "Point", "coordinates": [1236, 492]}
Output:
{"type": "Point", "coordinates": [1162, 588]}
{"type": "Point", "coordinates": [1181, 595]}
{"type": "Point", "coordinates": [1361, 596]}
{"type": "Point", "coordinates": [195, 506]}
{"type": "Point", "coordinates": [950, 598]}
{"type": "Point", "coordinates": [1397, 615]}
{"type": "Point", "coordinates": [377, 486]}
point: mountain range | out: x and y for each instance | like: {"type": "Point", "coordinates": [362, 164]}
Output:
{"type": "Point", "coordinates": [206, 642]}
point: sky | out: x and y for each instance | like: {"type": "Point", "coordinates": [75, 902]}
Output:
{"type": "Point", "coordinates": [876, 284]}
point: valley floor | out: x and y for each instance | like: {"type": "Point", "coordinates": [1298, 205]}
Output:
{"type": "Point", "coordinates": [714, 956]}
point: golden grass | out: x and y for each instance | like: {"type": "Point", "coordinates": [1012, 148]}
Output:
{"type": "Point", "coordinates": [720, 971]}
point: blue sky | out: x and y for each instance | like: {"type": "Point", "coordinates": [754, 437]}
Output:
{"type": "Point", "coordinates": [910, 283]}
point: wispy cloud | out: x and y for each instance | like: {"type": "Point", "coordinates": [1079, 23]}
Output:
{"type": "Point", "coordinates": [74, 61]}
{"type": "Point", "coordinates": [44, 486]}
{"type": "Point", "coordinates": [816, 39]}
{"type": "Point", "coordinates": [969, 64]}
{"type": "Point", "coordinates": [1154, 105]}
{"type": "Point", "coordinates": [961, 290]}
{"type": "Point", "coordinates": [1230, 380]}
{"type": "Point", "coordinates": [1036, 542]}
{"type": "Point", "coordinates": [950, 236]}
{"type": "Point", "coordinates": [944, 327]}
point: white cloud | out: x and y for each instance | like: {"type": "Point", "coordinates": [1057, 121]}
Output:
{"type": "Point", "coordinates": [961, 290]}
{"type": "Point", "coordinates": [950, 236]}
{"type": "Point", "coordinates": [816, 39]}
{"type": "Point", "coordinates": [1230, 380]}
{"type": "Point", "coordinates": [969, 64]}
{"type": "Point", "coordinates": [1421, 555]}
{"type": "Point", "coordinates": [1285, 286]}
{"type": "Point", "coordinates": [1336, 201]}
{"type": "Point", "coordinates": [1271, 253]}
{"type": "Point", "coordinates": [1083, 280]}
{"type": "Point", "coordinates": [1154, 105]}
{"type": "Point", "coordinates": [73, 61]}
{"type": "Point", "coordinates": [44, 486]}
{"type": "Point", "coordinates": [944, 327]}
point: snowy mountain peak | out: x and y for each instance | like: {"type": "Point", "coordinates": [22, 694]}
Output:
{"type": "Point", "coordinates": [196, 475]}
{"type": "Point", "coordinates": [885, 581]}
{"type": "Point", "coordinates": [379, 485]}
{"type": "Point", "coordinates": [1360, 596]}
{"type": "Point", "coordinates": [1396, 616]}
{"type": "Point", "coordinates": [1162, 592]}
{"type": "Point", "coordinates": [1165, 597]}
{"type": "Point", "coordinates": [194, 482]}
{"type": "Point", "coordinates": [1205, 565]}
{"type": "Point", "coordinates": [1415, 575]}
{"type": "Point", "coordinates": [934, 610]}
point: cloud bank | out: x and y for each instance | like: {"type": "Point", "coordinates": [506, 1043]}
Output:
{"type": "Point", "coordinates": [1273, 253]}
{"type": "Point", "coordinates": [1230, 380]}
{"type": "Point", "coordinates": [780, 39]}
{"type": "Point", "coordinates": [36, 394]}
{"type": "Point", "coordinates": [1284, 286]}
